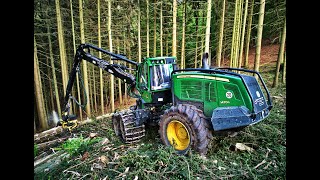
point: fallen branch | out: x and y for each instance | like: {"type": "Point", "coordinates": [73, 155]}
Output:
{"type": "Point", "coordinates": [49, 162]}
{"type": "Point", "coordinates": [36, 163]}
{"type": "Point", "coordinates": [264, 161]}
{"type": "Point", "coordinates": [79, 164]}
{"type": "Point", "coordinates": [279, 97]}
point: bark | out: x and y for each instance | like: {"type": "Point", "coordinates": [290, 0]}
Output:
{"type": "Point", "coordinates": [183, 36]}
{"type": "Point", "coordinates": [243, 32]}
{"type": "Point", "coordinates": [161, 30]}
{"type": "Point", "coordinates": [38, 91]}
{"type": "Point", "coordinates": [248, 36]}
{"type": "Point", "coordinates": [280, 55]}
{"type": "Point", "coordinates": [61, 47]}
{"type": "Point", "coordinates": [56, 92]}
{"type": "Point", "coordinates": [155, 29]}
{"type": "Point", "coordinates": [147, 28]}
{"type": "Point", "coordinates": [219, 49]}
{"type": "Point", "coordinates": [139, 32]}
{"type": "Point", "coordinates": [259, 36]}
{"type": "Point", "coordinates": [110, 46]}
{"type": "Point", "coordinates": [84, 63]}
{"type": "Point", "coordinates": [174, 29]}
{"type": "Point", "coordinates": [100, 56]}
{"type": "Point", "coordinates": [207, 42]}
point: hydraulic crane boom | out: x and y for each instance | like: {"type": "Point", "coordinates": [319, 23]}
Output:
{"type": "Point", "coordinates": [115, 69]}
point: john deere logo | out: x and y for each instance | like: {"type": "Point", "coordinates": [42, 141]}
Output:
{"type": "Point", "coordinates": [257, 93]}
{"type": "Point", "coordinates": [229, 94]}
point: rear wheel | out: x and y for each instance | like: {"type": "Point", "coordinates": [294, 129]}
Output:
{"type": "Point", "coordinates": [184, 127]}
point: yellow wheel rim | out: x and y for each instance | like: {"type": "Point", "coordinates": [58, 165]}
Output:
{"type": "Point", "coordinates": [178, 135]}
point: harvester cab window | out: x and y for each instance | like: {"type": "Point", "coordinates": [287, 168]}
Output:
{"type": "Point", "coordinates": [160, 76]}
{"type": "Point", "coordinates": [143, 77]}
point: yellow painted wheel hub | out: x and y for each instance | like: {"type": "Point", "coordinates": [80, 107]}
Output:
{"type": "Point", "coordinates": [178, 135]}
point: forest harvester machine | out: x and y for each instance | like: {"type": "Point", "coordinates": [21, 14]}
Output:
{"type": "Point", "coordinates": [189, 105]}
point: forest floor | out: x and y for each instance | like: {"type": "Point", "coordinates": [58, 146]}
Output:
{"type": "Point", "coordinates": [93, 151]}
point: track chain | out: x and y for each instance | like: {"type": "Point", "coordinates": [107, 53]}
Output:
{"type": "Point", "coordinates": [129, 132]}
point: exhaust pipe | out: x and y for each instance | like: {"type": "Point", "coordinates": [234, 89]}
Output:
{"type": "Point", "coordinates": [205, 64]}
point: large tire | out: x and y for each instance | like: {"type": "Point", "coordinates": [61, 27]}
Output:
{"type": "Point", "coordinates": [184, 127]}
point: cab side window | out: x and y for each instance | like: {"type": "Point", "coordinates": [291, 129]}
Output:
{"type": "Point", "coordinates": [143, 80]}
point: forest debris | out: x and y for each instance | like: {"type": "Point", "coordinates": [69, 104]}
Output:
{"type": "Point", "coordinates": [73, 172]}
{"type": "Point", "coordinates": [105, 141]}
{"type": "Point", "coordinates": [269, 150]}
{"type": "Point", "coordinates": [116, 156]}
{"type": "Point", "coordinates": [47, 145]}
{"type": "Point", "coordinates": [104, 159]}
{"type": "Point", "coordinates": [48, 163]}
{"type": "Point", "coordinates": [215, 161]}
{"type": "Point", "coordinates": [96, 166]}
{"type": "Point", "coordinates": [105, 148]}
{"type": "Point", "coordinates": [243, 147]}
{"type": "Point", "coordinates": [85, 156]}
{"type": "Point", "coordinates": [203, 167]}
{"type": "Point", "coordinates": [233, 134]}
{"type": "Point", "coordinates": [135, 177]}
{"type": "Point", "coordinates": [221, 168]}
{"type": "Point", "coordinates": [278, 97]}
{"type": "Point", "coordinates": [264, 161]}
{"type": "Point", "coordinates": [125, 172]}
{"type": "Point", "coordinates": [92, 135]}
{"type": "Point", "coordinates": [267, 165]}
{"type": "Point", "coordinates": [40, 161]}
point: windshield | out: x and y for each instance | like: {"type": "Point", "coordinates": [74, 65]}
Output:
{"type": "Point", "coordinates": [160, 76]}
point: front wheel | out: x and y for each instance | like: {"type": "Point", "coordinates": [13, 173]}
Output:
{"type": "Point", "coordinates": [184, 127]}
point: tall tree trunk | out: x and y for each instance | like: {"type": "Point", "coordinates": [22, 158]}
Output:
{"type": "Point", "coordinates": [53, 71]}
{"type": "Point", "coordinates": [61, 47]}
{"type": "Point", "coordinates": [161, 30]}
{"type": "Point", "coordinates": [219, 50]}
{"type": "Point", "coordinates": [239, 33]}
{"type": "Point", "coordinates": [110, 46]}
{"type": "Point", "coordinates": [155, 29]}
{"type": "Point", "coordinates": [74, 51]}
{"type": "Point", "coordinates": [38, 91]}
{"type": "Point", "coordinates": [94, 90]}
{"type": "Point", "coordinates": [125, 84]}
{"type": "Point", "coordinates": [243, 32]}
{"type": "Point", "coordinates": [139, 32]}
{"type": "Point", "coordinates": [183, 36]}
{"type": "Point", "coordinates": [207, 42]}
{"type": "Point", "coordinates": [148, 46]}
{"type": "Point", "coordinates": [196, 15]}
{"type": "Point", "coordinates": [167, 45]}
{"type": "Point", "coordinates": [85, 72]}
{"type": "Point", "coordinates": [280, 55]}
{"type": "Point", "coordinates": [119, 80]}
{"type": "Point", "coordinates": [90, 74]}
{"type": "Point", "coordinates": [100, 56]}
{"type": "Point", "coordinates": [174, 29]}
{"type": "Point", "coordinates": [50, 86]}
{"type": "Point", "coordinates": [259, 36]}
{"type": "Point", "coordinates": [284, 68]}
{"type": "Point", "coordinates": [234, 34]}
{"type": "Point", "coordinates": [248, 36]}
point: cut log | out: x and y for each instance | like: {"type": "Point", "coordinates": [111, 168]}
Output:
{"type": "Point", "coordinates": [47, 135]}
{"type": "Point", "coordinates": [51, 133]}
{"type": "Point", "coordinates": [47, 145]}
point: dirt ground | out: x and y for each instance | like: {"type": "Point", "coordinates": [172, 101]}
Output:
{"type": "Point", "coordinates": [269, 54]}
